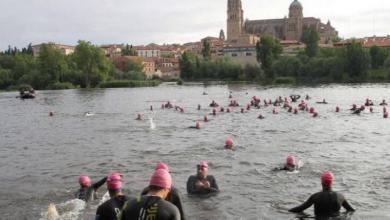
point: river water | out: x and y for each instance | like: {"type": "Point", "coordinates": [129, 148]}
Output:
{"type": "Point", "coordinates": [41, 157]}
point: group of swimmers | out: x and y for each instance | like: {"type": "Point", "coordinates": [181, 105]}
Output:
{"type": "Point", "coordinates": [161, 200]}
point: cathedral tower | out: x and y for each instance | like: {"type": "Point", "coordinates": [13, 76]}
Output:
{"type": "Point", "coordinates": [235, 20]}
{"type": "Point", "coordinates": [294, 26]}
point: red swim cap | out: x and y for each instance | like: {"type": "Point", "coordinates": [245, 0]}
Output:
{"type": "Point", "coordinates": [161, 178]}
{"type": "Point", "coordinates": [229, 142]}
{"type": "Point", "coordinates": [162, 165]}
{"type": "Point", "coordinates": [290, 160]}
{"type": "Point", "coordinates": [327, 178]}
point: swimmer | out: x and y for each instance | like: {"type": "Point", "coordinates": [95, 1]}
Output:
{"type": "Point", "coordinates": [198, 107]}
{"type": "Point", "coordinates": [88, 114]}
{"type": "Point", "coordinates": [51, 114]}
{"type": "Point", "coordinates": [295, 111]}
{"type": "Point", "coordinates": [204, 93]}
{"type": "Point", "coordinates": [242, 110]}
{"type": "Point", "coordinates": [213, 104]}
{"type": "Point", "coordinates": [222, 109]}
{"type": "Point", "coordinates": [151, 108]}
{"type": "Point", "coordinates": [162, 106]}
{"type": "Point", "coordinates": [315, 114]}
{"type": "Point", "coordinates": [153, 204]}
{"type": "Point", "coordinates": [383, 103]}
{"type": "Point", "coordinates": [290, 109]}
{"type": "Point", "coordinates": [197, 126]}
{"type": "Point", "coordinates": [205, 119]}
{"type": "Point", "coordinates": [87, 190]}
{"type": "Point", "coordinates": [354, 107]}
{"type": "Point", "coordinates": [173, 196]}
{"type": "Point", "coordinates": [202, 183]}
{"type": "Point", "coordinates": [248, 107]}
{"type": "Point", "coordinates": [260, 116]}
{"type": "Point", "coordinates": [327, 203]}
{"type": "Point", "coordinates": [307, 97]}
{"type": "Point", "coordinates": [294, 98]}
{"type": "Point", "coordinates": [229, 144]}
{"type": "Point", "coordinates": [371, 110]}
{"type": "Point", "coordinates": [228, 110]}
{"type": "Point", "coordinates": [337, 109]}
{"type": "Point", "coordinates": [357, 111]}
{"type": "Point", "coordinates": [214, 112]}
{"type": "Point", "coordinates": [290, 165]}
{"type": "Point", "coordinates": [323, 102]}
{"type": "Point", "coordinates": [139, 117]}
{"type": "Point", "coordinates": [385, 115]}
{"type": "Point", "coordinates": [312, 110]}
{"type": "Point", "coordinates": [110, 208]}
{"type": "Point", "coordinates": [274, 111]}
{"type": "Point", "coordinates": [368, 102]}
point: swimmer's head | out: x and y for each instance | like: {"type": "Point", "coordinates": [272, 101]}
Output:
{"type": "Point", "coordinates": [202, 169]}
{"type": "Point", "coordinates": [311, 110]}
{"type": "Point", "coordinates": [337, 109]}
{"type": "Point", "coordinates": [114, 182]}
{"type": "Point", "coordinates": [315, 114]}
{"type": "Point", "coordinates": [84, 181]}
{"type": "Point", "coordinates": [386, 115]}
{"type": "Point", "coordinates": [228, 110]}
{"type": "Point", "coordinates": [205, 119]}
{"type": "Point", "coordinates": [290, 161]}
{"type": "Point", "coordinates": [197, 125]}
{"type": "Point", "coordinates": [51, 113]}
{"type": "Point", "coordinates": [162, 179]}
{"type": "Point", "coordinates": [327, 179]}
{"type": "Point", "coordinates": [229, 143]}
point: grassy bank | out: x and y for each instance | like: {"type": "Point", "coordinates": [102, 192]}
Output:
{"type": "Point", "coordinates": [129, 83]}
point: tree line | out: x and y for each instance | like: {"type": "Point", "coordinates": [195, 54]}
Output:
{"type": "Point", "coordinates": [350, 64]}
{"type": "Point", "coordinates": [87, 67]}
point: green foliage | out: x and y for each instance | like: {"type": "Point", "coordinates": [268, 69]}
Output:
{"type": "Point", "coordinates": [379, 75]}
{"type": "Point", "coordinates": [284, 80]}
{"type": "Point", "coordinates": [311, 38]}
{"type": "Point", "coordinates": [131, 75]}
{"type": "Point", "coordinates": [92, 63]}
{"type": "Point", "coordinates": [357, 62]}
{"type": "Point", "coordinates": [267, 50]}
{"type": "Point", "coordinates": [129, 51]}
{"type": "Point", "coordinates": [128, 83]}
{"type": "Point", "coordinates": [378, 56]}
{"type": "Point", "coordinates": [206, 50]}
{"type": "Point", "coordinates": [52, 63]}
{"type": "Point", "coordinates": [5, 78]}
{"type": "Point", "coordinates": [133, 65]}
{"type": "Point", "coordinates": [387, 62]}
{"type": "Point", "coordinates": [61, 86]}
{"type": "Point", "coordinates": [287, 66]}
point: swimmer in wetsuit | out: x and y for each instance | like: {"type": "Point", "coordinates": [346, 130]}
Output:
{"type": "Point", "coordinates": [173, 196]}
{"type": "Point", "coordinates": [110, 209]}
{"type": "Point", "coordinates": [327, 203]}
{"type": "Point", "coordinates": [197, 126]}
{"type": "Point", "coordinates": [202, 183]}
{"type": "Point", "coordinates": [229, 144]}
{"type": "Point", "coordinates": [152, 205]}
{"type": "Point", "coordinates": [290, 165]}
{"type": "Point", "coordinates": [294, 98]}
{"type": "Point", "coordinates": [87, 190]}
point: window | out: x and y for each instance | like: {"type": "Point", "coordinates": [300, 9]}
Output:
{"type": "Point", "coordinates": [234, 54]}
{"type": "Point", "coordinates": [248, 54]}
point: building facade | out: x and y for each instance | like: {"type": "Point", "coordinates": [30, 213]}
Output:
{"type": "Point", "coordinates": [64, 49]}
{"type": "Point", "coordinates": [288, 28]}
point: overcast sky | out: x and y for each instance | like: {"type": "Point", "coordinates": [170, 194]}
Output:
{"type": "Point", "coordinates": [167, 21]}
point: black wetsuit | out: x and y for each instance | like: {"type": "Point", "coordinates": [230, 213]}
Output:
{"type": "Point", "coordinates": [192, 189]}
{"type": "Point", "coordinates": [149, 207]}
{"type": "Point", "coordinates": [173, 197]}
{"type": "Point", "coordinates": [326, 204]}
{"type": "Point", "coordinates": [111, 209]}
{"type": "Point", "coordinates": [87, 193]}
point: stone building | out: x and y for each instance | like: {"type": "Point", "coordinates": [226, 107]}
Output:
{"type": "Point", "coordinates": [64, 49]}
{"type": "Point", "coordinates": [287, 28]}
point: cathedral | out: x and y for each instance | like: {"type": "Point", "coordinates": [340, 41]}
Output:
{"type": "Point", "coordinates": [289, 28]}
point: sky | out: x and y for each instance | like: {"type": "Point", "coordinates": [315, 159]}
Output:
{"type": "Point", "coordinates": [140, 22]}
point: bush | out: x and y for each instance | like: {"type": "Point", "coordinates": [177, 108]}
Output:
{"type": "Point", "coordinates": [179, 82]}
{"type": "Point", "coordinates": [128, 83]}
{"type": "Point", "coordinates": [378, 75]}
{"type": "Point", "coordinates": [284, 80]}
{"type": "Point", "coordinates": [61, 86]}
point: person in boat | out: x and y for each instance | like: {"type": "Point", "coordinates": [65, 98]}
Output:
{"type": "Point", "coordinates": [110, 209]}
{"type": "Point", "coordinates": [294, 98]}
{"type": "Point", "coordinates": [383, 103]}
{"type": "Point", "coordinates": [323, 102]}
{"type": "Point", "coordinates": [152, 205]}
{"type": "Point", "coordinates": [202, 183]}
{"type": "Point", "coordinates": [87, 191]}
{"type": "Point", "coordinates": [290, 165]}
{"type": "Point", "coordinates": [327, 203]}
{"type": "Point", "coordinates": [173, 196]}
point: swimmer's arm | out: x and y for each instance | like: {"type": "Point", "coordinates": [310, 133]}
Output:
{"type": "Point", "coordinates": [213, 185]}
{"type": "Point", "coordinates": [98, 184]}
{"type": "Point", "coordinates": [191, 189]}
{"type": "Point", "coordinates": [347, 206]}
{"type": "Point", "coordinates": [304, 206]}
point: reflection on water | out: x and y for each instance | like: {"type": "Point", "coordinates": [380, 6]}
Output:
{"type": "Point", "coordinates": [41, 156]}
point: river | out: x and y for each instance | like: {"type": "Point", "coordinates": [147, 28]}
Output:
{"type": "Point", "coordinates": [42, 156]}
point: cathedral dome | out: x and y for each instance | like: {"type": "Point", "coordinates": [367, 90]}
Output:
{"type": "Point", "coordinates": [296, 4]}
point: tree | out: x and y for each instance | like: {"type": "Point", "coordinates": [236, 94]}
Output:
{"type": "Point", "coordinates": [378, 56]}
{"type": "Point", "coordinates": [52, 62]}
{"type": "Point", "coordinates": [206, 50]}
{"type": "Point", "coordinates": [5, 78]}
{"type": "Point", "coordinates": [187, 67]}
{"type": "Point", "coordinates": [267, 50]}
{"type": "Point", "coordinates": [311, 38]}
{"type": "Point", "coordinates": [133, 65]}
{"type": "Point", "coordinates": [129, 51]}
{"type": "Point", "coordinates": [92, 64]}
{"type": "Point", "coordinates": [357, 61]}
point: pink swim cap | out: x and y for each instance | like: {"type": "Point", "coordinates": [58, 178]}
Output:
{"type": "Point", "coordinates": [161, 178]}
{"type": "Point", "coordinates": [114, 181]}
{"type": "Point", "coordinates": [84, 180]}
{"type": "Point", "coordinates": [327, 178]}
{"type": "Point", "coordinates": [229, 142]}
{"type": "Point", "coordinates": [163, 166]}
{"type": "Point", "coordinates": [203, 164]}
{"type": "Point", "coordinates": [290, 160]}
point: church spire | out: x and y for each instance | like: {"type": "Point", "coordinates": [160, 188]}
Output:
{"type": "Point", "coordinates": [235, 19]}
